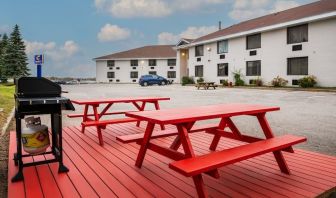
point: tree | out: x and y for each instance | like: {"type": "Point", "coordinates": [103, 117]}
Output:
{"type": "Point", "coordinates": [3, 47]}
{"type": "Point", "coordinates": [15, 59]}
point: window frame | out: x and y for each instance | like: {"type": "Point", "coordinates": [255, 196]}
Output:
{"type": "Point", "coordinates": [227, 46]}
{"type": "Point", "coordinates": [133, 61]}
{"type": "Point", "coordinates": [171, 72]}
{"type": "Point", "coordinates": [169, 62]}
{"type": "Point", "coordinates": [149, 73]}
{"type": "Point", "coordinates": [247, 41]}
{"type": "Point", "coordinates": [134, 72]}
{"type": "Point", "coordinates": [226, 71]}
{"type": "Point", "coordinates": [199, 46]}
{"type": "Point", "coordinates": [109, 61]}
{"type": "Point", "coordinates": [258, 69]}
{"type": "Point", "coordinates": [110, 72]}
{"type": "Point", "coordinates": [294, 27]}
{"type": "Point", "coordinates": [197, 66]}
{"type": "Point", "coordinates": [150, 62]}
{"type": "Point", "coordinates": [289, 65]}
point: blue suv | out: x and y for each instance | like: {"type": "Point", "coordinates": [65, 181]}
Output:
{"type": "Point", "coordinates": [146, 80]}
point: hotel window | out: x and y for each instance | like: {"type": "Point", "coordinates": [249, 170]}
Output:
{"type": "Point", "coordinates": [110, 63]}
{"type": "Point", "coordinates": [222, 47]}
{"type": "Point", "coordinates": [253, 68]}
{"type": "Point", "coordinates": [152, 72]}
{"type": "Point", "coordinates": [171, 62]}
{"type": "Point", "coordinates": [152, 62]}
{"type": "Point", "coordinates": [110, 74]}
{"type": "Point", "coordinates": [134, 62]}
{"type": "Point", "coordinates": [134, 74]}
{"type": "Point", "coordinates": [297, 34]}
{"type": "Point", "coordinates": [199, 71]}
{"type": "Point", "coordinates": [199, 50]}
{"type": "Point", "coordinates": [297, 66]}
{"type": "Point", "coordinates": [253, 41]}
{"type": "Point", "coordinates": [171, 74]}
{"type": "Point", "coordinates": [223, 69]}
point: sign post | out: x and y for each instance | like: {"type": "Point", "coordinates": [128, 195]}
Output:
{"type": "Point", "coordinates": [39, 60]}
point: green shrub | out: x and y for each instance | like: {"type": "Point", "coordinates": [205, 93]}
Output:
{"type": "Point", "coordinates": [187, 80]}
{"type": "Point", "coordinates": [200, 80]}
{"type": "Point", "coordinates": [225, 83]}
{"type": "Point", "coordinates": [279, 82]}
{"type": "Point", "coordinates": [237, 75]}
{"type": "Point", "coordinates": [307, 81]}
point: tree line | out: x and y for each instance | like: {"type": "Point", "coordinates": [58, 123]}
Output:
{"type": "Point", "coordinates": [13, 58]}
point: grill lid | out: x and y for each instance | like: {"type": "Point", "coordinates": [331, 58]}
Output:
{"type": "Point", "coordinates": [36, 87]}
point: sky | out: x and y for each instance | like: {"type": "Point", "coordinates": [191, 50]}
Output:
{"type": "Point", "coordinates": [70, 33]}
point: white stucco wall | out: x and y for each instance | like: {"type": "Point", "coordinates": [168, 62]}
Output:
{"type": "Point", "coordinates": [123, 74]}
{"type": "Point", "coordinates": [274, 51]}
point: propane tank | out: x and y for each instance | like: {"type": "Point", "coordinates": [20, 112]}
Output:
{"type": "Point", "coordinates": [35, 138]}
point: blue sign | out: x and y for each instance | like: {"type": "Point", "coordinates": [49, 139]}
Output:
{"type": "Point", "coordinates": [39, 59]}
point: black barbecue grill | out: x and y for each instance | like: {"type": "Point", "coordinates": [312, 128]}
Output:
{"type": "Point", "coordinates": [36, 96]}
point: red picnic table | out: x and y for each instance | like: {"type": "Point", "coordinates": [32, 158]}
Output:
{"type": "Point", "coordinates": [188, 163]}
{"type": "Point", "coordinates": [138, 102]}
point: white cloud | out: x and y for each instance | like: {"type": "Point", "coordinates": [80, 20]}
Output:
{"type": "Point", "coordinates": [190, 32]}
{"type": "Point", "coordinates": [51, 50]}
{"type": "Point", "coordinates": [151, 8]}
{"type": "Point", "coordinates": [247, 9]}
{"type": "Point", "coordinates": [113, 33]}
{"type": "Point", "coordinates": [4, 29]}
{"type": "Point", "coordinates": [283, 5]}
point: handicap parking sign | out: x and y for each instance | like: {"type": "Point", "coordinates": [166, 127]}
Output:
{"type": "Point", "coordinates": [39, 59]}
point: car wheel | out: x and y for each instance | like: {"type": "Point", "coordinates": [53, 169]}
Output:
{"type": "Point", "coordinates": [145, 84]}
{"type": "Point", "coordinates": [163, 83]}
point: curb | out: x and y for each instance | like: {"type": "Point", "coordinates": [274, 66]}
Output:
{"type": "Point", "coordinates": [5, 127]}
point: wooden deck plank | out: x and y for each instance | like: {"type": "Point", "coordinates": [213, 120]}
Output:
{"type": "Point", "coordinates": [119, 160]}
{"type": "Point", "coordinates": [110, 171]}
{"type": "Point", "coordinates": [47, 181]}
{"type": "Point", "coordinates": [163, 168]}
{"type": "Point", "coordinates": [14, 189]}
{"type": "Point", "coordinates": [148, 173]}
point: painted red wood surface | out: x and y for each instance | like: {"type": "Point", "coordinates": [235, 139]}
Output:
{"type": "Point", "coordinates": [179, 115]}
{"type": "Point", "coordinates": [109, 171]}
{"type": "Point", "coordinates": [118, 100]}
{"type": "Point", "coordinates": [204, 163]}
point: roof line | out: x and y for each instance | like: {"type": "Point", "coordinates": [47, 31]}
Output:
{"type": "Point", "coordinates": [266, 28]}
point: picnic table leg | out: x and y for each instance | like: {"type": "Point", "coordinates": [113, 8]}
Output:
{"type": "Point", "coordinates": [140, 108]}
{"type": "Point", "coordinates": [157, 107]}
{"type": "Point", "coordinates": [85, 116]}
{"type": "Point", "coordinates": [144, 145]}
{"type": "Point", "coordinates": [269, 134]}
{"type": "Point", "coordinates": [189, 152]}
{"type": "Point", "coordinates": [216, 138]}
{"type": "Point", "coordinates": [177, 142]}
{"type": "Point", "coordinates": [100, 137]}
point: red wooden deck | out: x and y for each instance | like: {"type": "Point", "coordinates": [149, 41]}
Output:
{"type": "Point", "coordinates": [109, 171]}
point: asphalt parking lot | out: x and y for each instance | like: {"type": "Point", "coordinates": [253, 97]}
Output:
{"type": "Point", "coordinates": [310, 114]}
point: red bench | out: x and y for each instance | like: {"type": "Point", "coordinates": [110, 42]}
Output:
{"type": "Point", "coordinates": [193, 167]}
{"type": "Point", "coordinates": [165, 133]}
{"type": "Point", "coordinates": [103, 123]}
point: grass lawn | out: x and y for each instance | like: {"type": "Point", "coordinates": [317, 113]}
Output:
{"type": "Point", "coordinates": [6, 102]}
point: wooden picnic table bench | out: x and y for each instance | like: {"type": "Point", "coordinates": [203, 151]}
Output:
{"type": "Point", "coordinates": [188, 163]}
{"type": "Point", "coordinates": [94, 119]}
{"type": "Point", "coordinates": [206, 85]}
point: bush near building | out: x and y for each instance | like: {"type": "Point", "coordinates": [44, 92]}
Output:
{"type": "Point", "coordinates": [187, 80]}
{"type": "Point", "coordinates": [237, 75]}
{"type": "Point", "coordinates": [308, 81]}
{"type": "Point", "coordinates": [279, 82]}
